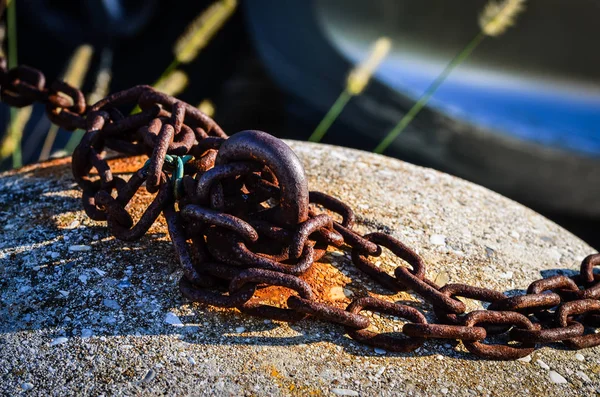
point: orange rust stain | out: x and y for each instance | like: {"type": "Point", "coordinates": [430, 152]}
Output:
{"type": "Point", "coordinates": [275, 373]}
{"type": "Point", "coordinates": [321, 277]}
{"type": "Point", "coordinates": [58, 168]}
{"type": "Point", "coordinates": [296, 390]}
{"type": "Point", "coordinates": [127, 165]}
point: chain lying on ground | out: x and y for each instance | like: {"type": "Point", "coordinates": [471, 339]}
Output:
{"type": "Point", "coordinates": [241, 218]}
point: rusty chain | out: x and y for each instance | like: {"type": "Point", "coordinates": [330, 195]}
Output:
{"type": "Point", "coordinates": [241, 218]}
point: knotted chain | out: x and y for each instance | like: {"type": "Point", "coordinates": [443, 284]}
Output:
{"type": "Point", "coordinates": [241, 218]}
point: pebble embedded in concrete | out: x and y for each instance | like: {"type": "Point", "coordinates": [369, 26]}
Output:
{"type": "Point", "coordinates": [150, 375]}
{"type": "Point", "coordinates": [556, 377]}
{"type": "Point", "coordinates": [542, 364]}
{"type": "Point", "coordinates": [27, 386]}
{"type": "Point", "coordinates": [111, 304]}
{"type": "Point", "coordinates": [173, 319]}
{"type": "Point", "coordinates": [59, 341]}
{"type": "Point", "coordinates": [79, 248]}
{"type": "Point", "coordinates": [344, 392]}
{"type": "Point", "coordinates": [438, 239]}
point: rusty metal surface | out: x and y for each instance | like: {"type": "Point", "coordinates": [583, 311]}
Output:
{"type": "Point", "coordinates": [242, 220]}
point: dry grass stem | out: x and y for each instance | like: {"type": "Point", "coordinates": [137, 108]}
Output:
{"type": "Point", "coordinates": [103, 78]}
{"type": "Point", "coordinates": [359, 77]}
{"type": "Point", "coordinates": [499, 16]}
{"type": "Point", "coordinates": [199, 33]}
{"type": "Point", "coordinates": [173, 84]}
{"type": "Point", "coordinates": [207, 107]}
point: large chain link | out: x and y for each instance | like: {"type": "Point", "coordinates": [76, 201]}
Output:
{"type": "Point", "coordinates": [241, 218]}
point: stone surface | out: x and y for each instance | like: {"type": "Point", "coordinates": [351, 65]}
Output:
{"type": "Point", "coordinates": [133, 345]}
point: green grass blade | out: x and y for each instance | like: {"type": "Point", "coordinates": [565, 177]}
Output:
{"type": "Point", "coordinates": [433, 87]}
{"type": "Point", "coordinates": [330, 117]}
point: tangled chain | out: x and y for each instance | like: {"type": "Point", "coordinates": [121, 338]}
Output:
{"type": "Point", "coordinates": [241, 218]}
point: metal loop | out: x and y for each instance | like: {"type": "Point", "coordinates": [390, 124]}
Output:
{"type": "Point", "coordinates": [125, 233]}
{"type": "Point", "coordinates": [88, 198]}
{"type": "Point", "coordinates": [191, 271]}
{"type": "Point", "coordinates": [548, 335]}
{"type": "Point", "coordinates": [267, 150]}
{"type": "Point", "coordinates": [573, 308]}
{"type": "Point", "coordinates": [386, 341]}
{"type": "Point", "coordinates": [74, 100]}
{"type": "Point", "coordinates": [332, 204]}
{"type": "Point", "coordinates": [132, 122]}
{"type": "Point", "coordinates": [208, 297]}
{"type": "Point", "coordinates": [466, 291]}
{"type": "Point", "coordinates": [193, 116]}
{"type": "Point", "coordinates": [205, 181]}
{"type": "Point", "coordinates": [498, 352]}
{"type": "Point", "coordinates": [527, 303]}
{"type": "Point", "coordinates": [22, 86]}
{"type": "Point", "coordinates": [328, 312]}
{"type": "Point", "coordinates": [356, 241]}
{"type": "Point", "coordinates": [587, 268]}
{"type": "Point", "coordinates": [228, 247]}
{"type": "Point", "coordinates": [306, 228]}
{"type": "Point", "coordinates": [586, 291]}
{"type": "Point", "coordinates": [429, 292]}
{"type": "Point", "coordinates": [399, 249]}
{"type": "Point", "coordinates": [556, 284]}
{"type": "Point", "coordinates": [444, 331]}
{"type": "Point", "coordinates": [257, 276]}
{"type": "Point", "coordinates": [227, 221]}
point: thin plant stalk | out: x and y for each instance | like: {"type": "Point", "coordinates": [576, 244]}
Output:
{"type": "Point", "coordinates": [167, 72]}
{"type": "Point", "coordinates": [74, 140]}
{"type": "Point", "coordinates": [495, 19]}
{"type": "Point", "coordinates": [330, 117]}
{"type": "Point", "coordinates": [48, 142]}
{"type": "Point", "coordinates": [14, 135]}
{"type": "Point", "coordinates": [11, 144]}
{"type": "Point", "coordinates": [207, 107]}
{"type": "Point", "coordinates": [424, 99]}
{"type": "Point", "coordinates": [356, 82]}
{"type": "Point", "coordinates": [11, 21]}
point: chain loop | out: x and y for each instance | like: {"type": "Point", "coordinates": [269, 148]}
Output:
{"type": "Point", "coordinates": [573, 308]}
{"type": "Point", "coordinates": [499, 352]}
{"type": "Point", "coordinates": [384, 341]}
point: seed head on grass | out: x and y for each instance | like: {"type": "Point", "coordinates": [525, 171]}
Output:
{"type": "Point", "coordinates": [499, 16]}
{"type": "Point", "coordinates": [173, 84]}
{"type": "Point", "coordinates": [359, 77]}
{"type": "Point", "coordinates": [355, 84]}
{"type": "Point", "coordinates": [79, 65]}
{"type": "Point", "coordinates": [199, 33]}
{"type": "Point", "coordinates": [207, 107]}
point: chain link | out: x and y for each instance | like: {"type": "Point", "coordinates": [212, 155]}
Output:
{"type": "Point", "coordinates": [241, 218]}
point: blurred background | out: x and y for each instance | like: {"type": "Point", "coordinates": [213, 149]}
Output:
{"type": "Point", "coordinates": [518, 115]}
